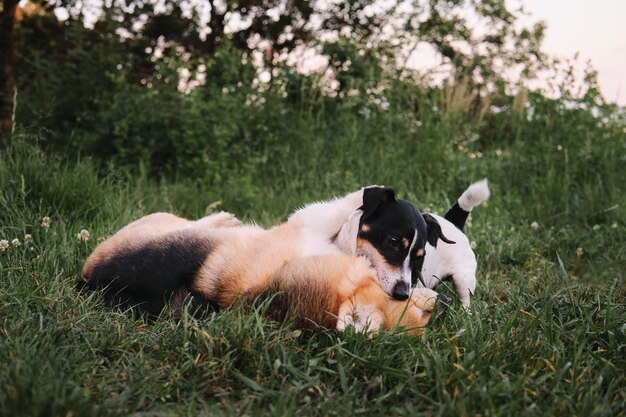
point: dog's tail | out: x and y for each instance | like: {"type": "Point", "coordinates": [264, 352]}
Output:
{"type": "Point", "coordinates": [473, 196]}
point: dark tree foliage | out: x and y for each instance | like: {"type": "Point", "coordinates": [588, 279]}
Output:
{"type": "Point", "coordinates": [179, 87]}
{"type": "Point", "coordinates": [347, 32]}
{"type": "Point", "coordinates": [7, 70]}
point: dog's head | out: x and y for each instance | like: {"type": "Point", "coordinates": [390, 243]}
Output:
{"type": "Point", "coordinates": [392, 234]}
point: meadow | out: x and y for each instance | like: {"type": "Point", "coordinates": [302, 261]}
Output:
{"type": "Point", "coordinates": [547, 331]}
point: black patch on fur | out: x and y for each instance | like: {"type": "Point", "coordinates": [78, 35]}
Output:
{"type": "Point", "coordinates": [147, 276]}
{"type": "Point", "coordinates": [443, 302]}
{"type": "Point", "coordinates": [416, 270]}
{"type": "Point", "coordinates": [434, 230]}
{"type": "Point", "coordinates": [457, 216]}
{"type": "Point", "coordinates": [374, 198]}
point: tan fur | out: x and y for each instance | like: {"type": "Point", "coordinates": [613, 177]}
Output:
{"type": "Point", "coordinates": [245, 259]}
{"type": "Point", "coordinates": [364, 247]}
{"type": "Point", "coordinates": [350, 293]}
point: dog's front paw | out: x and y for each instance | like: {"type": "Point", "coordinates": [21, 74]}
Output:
{"type": "Point", "coordinates": [424, 298]}
{"type": "Point", "coordinates": [364, 319]}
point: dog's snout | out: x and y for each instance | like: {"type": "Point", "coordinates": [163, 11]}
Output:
{"type": "Point", "coordinates": [401, 291]}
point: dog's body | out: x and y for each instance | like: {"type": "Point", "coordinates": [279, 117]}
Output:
{"type": "Point", "coordinates": [162, 258]}
{"type": "Point", "coordinates": [455, 263]}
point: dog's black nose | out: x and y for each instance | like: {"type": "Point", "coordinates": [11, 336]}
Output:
{"type": "Point", "coordinates": [401, 291]}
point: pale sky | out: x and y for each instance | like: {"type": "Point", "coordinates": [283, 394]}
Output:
{"type": "Point", "coordinates": [596, 29]}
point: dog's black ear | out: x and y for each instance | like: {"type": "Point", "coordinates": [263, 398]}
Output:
{"type": "Point", "coordinates": [373, 199]}
{"type": "Point", "coordinates": [434, 230]}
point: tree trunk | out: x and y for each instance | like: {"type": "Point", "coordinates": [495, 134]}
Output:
{"type": "Point", "coordinates": [7, 71]}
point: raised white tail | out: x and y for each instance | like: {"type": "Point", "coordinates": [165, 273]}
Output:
{"type": "Point", "coordinates": [475, 194]}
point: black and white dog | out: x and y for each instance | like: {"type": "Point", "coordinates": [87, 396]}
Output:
{"type": "Point", "coordinates": [455, 263]}
{"type": "Point", "coordinates": [372, 223]}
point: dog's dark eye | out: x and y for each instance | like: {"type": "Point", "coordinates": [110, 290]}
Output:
{"type": "Point", "coordinates": [394, 242]}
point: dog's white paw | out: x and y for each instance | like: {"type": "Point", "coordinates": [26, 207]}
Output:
{"type": "Point", "coordinates": [364, 319]}
{"type": "Point", "coordinates": [464, 287]}
{"type": "Point", "coordinates": [464, 296]}
{"type": "Point", "coordinates": [424, 298]}
{"type": "Point", "coordinates": [221, 219]}
{"type": "Point", "coordinates": [344, 321]}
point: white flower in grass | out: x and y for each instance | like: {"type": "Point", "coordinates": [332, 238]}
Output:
{"type": "Point", "coordinates": [579, 252]}
{"type": "Point", "coordinates": [83, 235]}
{"type": "Point", "coordinates": [4, 245]}
{"type": "Point", "coordinates": [614, 225]}
{"type": "Point", "coordinates": [473, 245]}
{"type": "Point", "coordinates": [596, 227]}
{"type": "Point", "coordinates": [45, 222]}
{"type": "Point", "coordinates": [28, 237]}
{"type": "Point", "coordinates": [16, 242]}
{"type": "Point", "coordinates": [534, 225]}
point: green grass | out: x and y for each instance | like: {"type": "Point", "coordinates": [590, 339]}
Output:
{"type": "Point", "coordinates": [547, 335]}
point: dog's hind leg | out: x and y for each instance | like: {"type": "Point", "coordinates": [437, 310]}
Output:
{"type": "Point", "coordinates": [464, 286]}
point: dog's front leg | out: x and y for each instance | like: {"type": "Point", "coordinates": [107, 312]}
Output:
{"type": "Point", "coordinates": [327, 217]}
{"type": "Point", "coordinates": [424, 298]}
{"type": "Point", "coordinates": [364, 308]}
{"type": "Point", "coordinates": [366, 318]}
